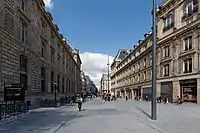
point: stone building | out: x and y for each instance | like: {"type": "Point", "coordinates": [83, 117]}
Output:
{"type": "Point", "coordinates": [178, 58]}
{"type": "Point", "coordinates": [104, 84]}
{"type": "Point", "coordinates": [34, 53]}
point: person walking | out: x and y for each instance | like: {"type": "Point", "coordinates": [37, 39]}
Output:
{"type": "Point", "coordinates": [80, 101]}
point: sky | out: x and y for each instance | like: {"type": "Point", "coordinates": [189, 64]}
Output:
{"type": "Point", "coordinates": [99, 28]}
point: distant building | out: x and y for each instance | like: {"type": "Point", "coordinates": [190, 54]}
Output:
{"type": "Point", "coordinates": [104, 88]}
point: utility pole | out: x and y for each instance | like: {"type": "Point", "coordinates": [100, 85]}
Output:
{"type": "Point", "coordinates": [153, 102]}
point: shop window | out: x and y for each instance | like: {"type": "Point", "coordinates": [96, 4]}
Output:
{"type": "Point", "coordinates": [166, 70]}
{"type": "Point", "coordinates": [189, 93]}
{"type": "Point", "coordinates": [187, 65]}
{"type": "Point", "coordinates": [187, 43]}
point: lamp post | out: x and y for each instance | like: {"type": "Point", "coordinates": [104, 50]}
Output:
{"type": "Point", "coordinates": [55, 91]}
{"type": "Point", "coordinates": [153, 102]}
{"type": "Point", "coordinates": [108, 80]}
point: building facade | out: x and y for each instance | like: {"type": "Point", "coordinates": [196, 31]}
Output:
{"type": "Point", "coordinates": [105, 84]}
{"type": "Point", "coordinates": [34, 53]}
{"type": "Point", "coordinates": [83, 83]}
{"type": "Point", "coordinates": [178, 58]}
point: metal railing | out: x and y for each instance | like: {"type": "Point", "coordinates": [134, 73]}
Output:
{"type": "Point", "coordinates": [9, 109]}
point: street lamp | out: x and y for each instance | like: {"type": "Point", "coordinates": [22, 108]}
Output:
{"type": "Point", "coordinates": [55, 91]}
{"type": "Point", "coordinates": [153, 102]}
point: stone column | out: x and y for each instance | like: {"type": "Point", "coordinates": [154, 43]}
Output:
{"type": "Point", "coordinates": [176, 90]}
{"type": "Point", "coordinates": [198, 90]}
{"type": "Point", "coordinates": [125, 93]}
{"type": "Point", "coordinates": [120, 93]}
{"type": "Point", "coordinates": [158, 89]}
{"type": "Point", "coordinates": [133, 94]}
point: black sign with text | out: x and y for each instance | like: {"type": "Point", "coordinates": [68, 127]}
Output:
{"type": "Point", "coordinates": [14, 92]}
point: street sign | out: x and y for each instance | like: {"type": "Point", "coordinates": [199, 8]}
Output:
{"type": "Point", "coordinates": [14, 92]}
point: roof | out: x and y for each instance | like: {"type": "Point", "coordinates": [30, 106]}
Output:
{"type": "Point", "coordinates": [121, 54]}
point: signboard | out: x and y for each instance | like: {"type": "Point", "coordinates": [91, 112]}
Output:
{"type": "Point", "coordinates": [14, 92]}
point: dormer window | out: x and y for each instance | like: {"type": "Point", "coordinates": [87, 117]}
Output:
{"type": "Point", "coordinates": [168, 22]}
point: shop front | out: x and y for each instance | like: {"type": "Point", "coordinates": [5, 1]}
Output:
{"type": "Point", "coordinates": [122, 93]}
{"type": "Point", "coordinates": [137, 93]}
{"type": "Point", "coordinates": [167, 91]}
{"type": "Point", "coordinates": [147, 92]}
{"type": "Point", "coordinates": [189, 90]}
{"type": "Point", "coordinates": [129, 93]}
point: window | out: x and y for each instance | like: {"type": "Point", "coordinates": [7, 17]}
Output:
{"type": "Point", "coordinates": [63, 89]}
{"type": "Point", "coordinates": [187, 65]}
{"type": "Point", "coordinates": [23, 73]}
{"type": "Point", "coordinates": [43, 79]}
{"type": "Point", "coordinates": [166, 51]}
{"type": "Point", "coordinates": [58, 83]}
{"type": "Point", "coordinates": [138, 65]}
{"type": "Point", "coordinates": [52, 55]}
{"type": "Point", "coordinates": [43, 50]}
{"type": "Point", "coordinates": [44, 28]}
{"type": "Point", "coordinates": [23, 62]}
{"type": "Point", "coordinates": [138, 77]}
{"type": "Point", "coordinates": [22, 4]}
{"type": "Point", "coordinates": [144, 75]}
{"type": "Point", "coordinates": [166, 70]}
{"type": "Point", "coordinates": [52, 81]}
{"type": "Point", "coordinates": [168, 22]}
{"type": "Point", "coordinates": [187, 43]}
{"type": "Point", "coordinates": [24, 80]}
{"type": "Point", "coordinates": [144, 63]}
{"type": "Point", "coordinates": [23, 31]}
{"type": "Point", "coordinates": [190, 8]}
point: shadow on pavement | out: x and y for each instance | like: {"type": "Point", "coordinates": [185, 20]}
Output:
{"type": "Point", "coordinates": [41, 122]}
{"type": "Point", "coordinates": [148, 115]}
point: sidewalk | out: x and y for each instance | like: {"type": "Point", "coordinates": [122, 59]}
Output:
{"type": "Point", "coordinates": [32, 111]}
{"type": "Point", "coordinates": [170, 117]}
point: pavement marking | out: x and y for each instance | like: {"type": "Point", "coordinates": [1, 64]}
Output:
{"type": "Point", "coordinates": [73, 116]}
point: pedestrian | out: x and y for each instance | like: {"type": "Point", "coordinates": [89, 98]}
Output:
{"type": "Point", "coordinates": [126, 97]}
{"type": "Point", "coordinates": [80, 101]}
{"type": "Point", "coordinates": [166, 100]}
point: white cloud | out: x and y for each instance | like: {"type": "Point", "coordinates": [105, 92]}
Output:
{"type": "Point", "coordinates": [94, 65]}
{"type": "Point", "coordinates": [49, 3]}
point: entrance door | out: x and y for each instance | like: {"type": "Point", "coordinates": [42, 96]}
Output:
{"type": "Point", "coordinates": [167, 91]}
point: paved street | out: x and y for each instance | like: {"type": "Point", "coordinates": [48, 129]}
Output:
{"type": "Point", "coordinates": [114, 117]}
